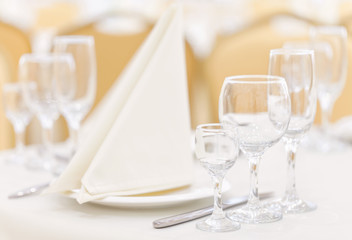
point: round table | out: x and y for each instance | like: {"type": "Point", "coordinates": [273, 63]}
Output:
{"type": "Point", "coordinates": [321, 178]}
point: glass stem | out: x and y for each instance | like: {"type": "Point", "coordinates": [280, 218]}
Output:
{"type": "Point", "coordinates": [217, 211]}
{"type": "Point", "coordinates": [74, 138]}
{"type": "Point", "coordinates": [325, 118]}
{"type": "Point", "coordinates": [291, 148]}
{"type": "Point", "coordinates": [253, 198]}
{"type": "Point", "coordinates": [48, 138]}
{"type": "Point", "coordinates": [48, 144]}
{"type": "Point", "coordinates": [20, 136]}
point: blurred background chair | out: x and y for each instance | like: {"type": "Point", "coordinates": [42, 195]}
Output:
{"type": "Point", "coordinates": [222, 38]}
{"type": "Point", "coordinates": [113, 50]}
{"type": "Point", "coordinates": [116, 44]}
{"type": "Point", "coordinates": [13, 43]}
{"type": "Point", "coordinates": [247, 52]}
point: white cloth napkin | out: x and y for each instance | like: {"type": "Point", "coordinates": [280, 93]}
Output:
{"type": "Point", "coordinates": [139, 136]}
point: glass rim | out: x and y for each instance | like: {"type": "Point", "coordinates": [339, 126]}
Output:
{"type": "Point", "coordinates": [256, 79]}
{"type": "Point", "coordinates": [292, 51]}
{"type": "Point", "coordinates": [208, 127]}
{"type": "Point", "coordinates": [44, 56]}
{"type": "Point", "coordinates": [73, 39]}
{"type": "Point", "coordinates": [304, 44]}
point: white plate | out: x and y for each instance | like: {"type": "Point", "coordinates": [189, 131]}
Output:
{"type": "Point", "coordinates": [200, 189]}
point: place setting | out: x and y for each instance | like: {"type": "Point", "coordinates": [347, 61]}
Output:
{"type": "Point", "coordinates": [135, 152]}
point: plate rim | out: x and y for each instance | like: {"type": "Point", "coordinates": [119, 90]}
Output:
{"type": "Point", "coordinates": [153, 201]}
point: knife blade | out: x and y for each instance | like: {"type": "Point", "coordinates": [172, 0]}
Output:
{"type": "Point", "coordinates": [195, 214]}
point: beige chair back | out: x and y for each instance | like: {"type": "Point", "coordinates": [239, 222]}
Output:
{"type": "Point", "coordinates": [13, 43]}
{"type": "Point", "coordinates": [247, 52]}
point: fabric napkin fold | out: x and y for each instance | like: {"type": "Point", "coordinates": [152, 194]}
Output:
{"type": "Point", "coordinates": [139, 136]}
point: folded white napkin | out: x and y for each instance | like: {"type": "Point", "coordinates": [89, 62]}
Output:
{"type": "Point", "coordinates": [139, 136]}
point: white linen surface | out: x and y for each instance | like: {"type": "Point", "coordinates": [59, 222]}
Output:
{"type": "Point", "coordinates": [138, 140]}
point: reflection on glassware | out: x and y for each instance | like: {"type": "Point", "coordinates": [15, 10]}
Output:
{"type": "Point", "coordinates": [330, 85]}
{"type": "Point", "coordinates": [75, 105]}
{"type": "Point", "coordinates": [259, 106]}
{"type": "Point", "coordinates": [19, 115]}
{"type": "Point", "coordinates": [297, 66]}
{"type": "Point", "coordinates": [38, 74]}
{"type": "Point", "coordinates": [217, 150]}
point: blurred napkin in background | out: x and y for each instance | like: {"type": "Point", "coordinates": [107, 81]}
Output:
{"type": "Point", "coordinates": [139, 136]}
{"type": "Point", "coordinates": [342, 129]}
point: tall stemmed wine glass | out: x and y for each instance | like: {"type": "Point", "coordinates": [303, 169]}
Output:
{"type": "Point", "coordinates": [323, 58]}
{"type": "Point", "coordinates": [217, 150]}
{"type": "Point", "coordinates": [39, 74]}
{"type": "Point", "coordinates": [75, 107]}
{"type": "Point", "coordinates": [297, 67]}
{"type": "Point", "coordinates": [259, 106]}
{"type": "Point", "coordinates": [323, 54]}
{"type": "Point", "coordinates": [19, 115]}
{"type": "Point", "coordinates": [330, 87]}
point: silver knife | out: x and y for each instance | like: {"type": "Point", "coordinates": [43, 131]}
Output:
{"type": "Point", "coordinates": [29, 191]}
{"type": "Point", "coordinates": [195, 214]}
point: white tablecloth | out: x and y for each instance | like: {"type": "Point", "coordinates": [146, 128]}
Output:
{"type": "Point", "coordinates": [322, 178]}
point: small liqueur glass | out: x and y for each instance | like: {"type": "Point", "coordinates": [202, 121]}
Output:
{"type": "Point", "coordinates": [217, 150]}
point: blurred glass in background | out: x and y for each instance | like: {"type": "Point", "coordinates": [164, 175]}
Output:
{"type": "Point", "coordinates": [223, 37]}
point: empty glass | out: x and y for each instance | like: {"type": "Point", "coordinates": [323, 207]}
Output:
{"type": "Point", "coordinates": [259, 106]}
{"type": "Point", "coordinates": [38, 74]}
{"type": "Point", "coordinates": [297, 67]}
{"type": "Point", "coordinates": [217, 150]}
{"type": "Point", "coordinates": [330, 86]}
{"type": "Point", "coordinates": [75, 105]}
{"type": "Point", "coordinates": [18, 113]}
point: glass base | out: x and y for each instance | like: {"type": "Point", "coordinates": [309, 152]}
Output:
{"type": "Point", "coordinates": [218, 225]}
{"type": "Point", "coordinates": [291, 207]}
{"type": "Point", "coordinates": [255, 215]}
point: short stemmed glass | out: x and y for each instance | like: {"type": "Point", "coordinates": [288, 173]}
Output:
{"type": "Point", "coordinates": [217, 149]}
{"type": "Point", "coordinates": [75, 107]}
{"type": "Point", "coordinates": [297, 67]}
{"type": "Point", "coordinates": [38, 74]}
{"type": "Point", "coordinates": [330, 87]}
{"type": "Point", "coordinates": [19, 115]}
{"type": "Point", "coordinates": [259, 105]}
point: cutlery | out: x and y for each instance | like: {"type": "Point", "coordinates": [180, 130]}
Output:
{"type": "Point", "coordinates": [195, 214]}
{"type": "Point", "coordinates": [29, 191]}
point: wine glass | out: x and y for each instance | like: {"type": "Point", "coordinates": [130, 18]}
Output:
{"type": "Point", "coordinates": [75, 105]}
{"type": "Point", "coordinates": [38, 74]}
{"type": "Point", "coordinates": [19, 114]}
{"type": "Point", "coordinates": [259, 105]}
{"type": "Point", "coordinates": [297, 67]}
{"type": "Point", "coordinates": [323, 54]}
{"type": "Point", "coordinates": [217, 150]}
{"type": "Point", "coordinates": [329, 88]}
